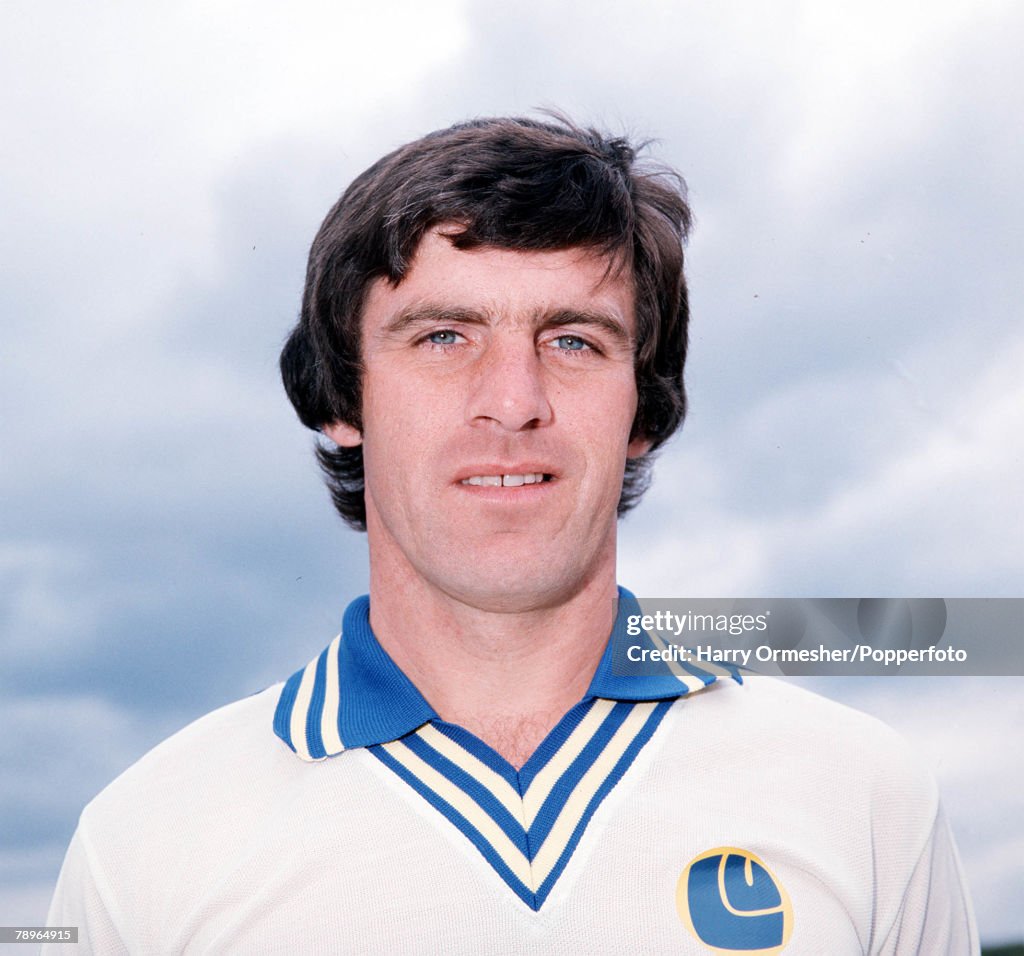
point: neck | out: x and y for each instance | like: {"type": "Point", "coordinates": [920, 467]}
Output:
{"type": "Point", "coordinates": [506, 676]}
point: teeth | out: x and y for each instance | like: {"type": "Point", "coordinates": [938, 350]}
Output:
{"type": "Point", "coordinates": [507, 481]}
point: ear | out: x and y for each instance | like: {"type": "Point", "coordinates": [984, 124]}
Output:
{"type": "Point", "coordinates": [638, 446]}
{"type": "Point", "coordinates": [343, 434]}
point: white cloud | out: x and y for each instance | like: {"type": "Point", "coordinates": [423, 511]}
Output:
{"type": "Point", "coordinates": [39, 611]}
{"type": "Point", "coordinates": [25, 903]}
{"type": "Point", "coordinates": [121, 119]}
{"type": "Point", "coordinates": [915, 488]}
{"type": "Point", "coordinates": [872, 80]}
{"type": "Point", "coordinates": [191, 85]}
{"type": "Point", "coordinates": [958, 483]}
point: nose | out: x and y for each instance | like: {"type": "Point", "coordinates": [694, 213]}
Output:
{"type": "Point", "coordinates": [509, 387]}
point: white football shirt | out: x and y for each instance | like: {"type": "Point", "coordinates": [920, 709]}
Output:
{"type": "Point", "coordinates": [664, 814]}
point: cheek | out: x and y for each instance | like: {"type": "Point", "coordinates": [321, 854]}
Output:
{"type": "Point", "coordinates": [388, 408]}
{"type": "Point", "coordinates": [612, 415]}
{"type": "Point", "coordinates": [605, 427]}
{"type": "Point", "coordinates": [402, 434]}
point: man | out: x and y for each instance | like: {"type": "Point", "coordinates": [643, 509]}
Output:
{"type": "Point", "coordinates": [492, 339]}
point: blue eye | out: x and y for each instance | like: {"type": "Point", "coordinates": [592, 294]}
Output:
{"type": "Point", "coordinates": [571, 343]}
{"type": "Point", "coordinates": [443, 337]}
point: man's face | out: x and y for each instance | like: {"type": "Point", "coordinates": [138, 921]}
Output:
{"type": "Point", "coordinates": [487, 366]}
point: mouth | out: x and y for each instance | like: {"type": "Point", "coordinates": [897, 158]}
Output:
{"type": "Point", "coordinates": [507, 481]}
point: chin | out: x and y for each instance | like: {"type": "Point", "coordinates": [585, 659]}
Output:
{"type": "Point", "coordinates": [506, 590]}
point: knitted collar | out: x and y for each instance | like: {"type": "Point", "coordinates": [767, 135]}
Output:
{"type": "Point", "coordinates": [353, 695]}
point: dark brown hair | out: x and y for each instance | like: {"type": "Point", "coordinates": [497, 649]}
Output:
{"type": "Point", "coordinates": [511, 183]}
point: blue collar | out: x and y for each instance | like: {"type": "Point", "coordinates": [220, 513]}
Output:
{"type": "Point", "coordinates": [353, 695]}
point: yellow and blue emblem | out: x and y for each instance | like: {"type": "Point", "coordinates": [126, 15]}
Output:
{"type": "Point", "coordinates": [731, 902]}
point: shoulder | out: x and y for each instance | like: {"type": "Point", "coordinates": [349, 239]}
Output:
{"type": "Point", "coordinates": [808, 747]}
{"type": "Point", "coordinates": [234, 738]}
{"type": "Point", "coordinates": [769, 707]}
{"type": "Point", "coordinates": [151, 843]}
{"type": "Point", "coordinates": [227, 765]}
{"type": "Point", "coordinates": [200, 825]}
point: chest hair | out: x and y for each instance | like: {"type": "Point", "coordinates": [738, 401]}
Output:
{"type": "Point", "coordinates": [515, 737]}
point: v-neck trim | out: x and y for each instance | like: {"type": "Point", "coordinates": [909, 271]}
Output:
{"type": "Point", "coordinates": [526, 823]}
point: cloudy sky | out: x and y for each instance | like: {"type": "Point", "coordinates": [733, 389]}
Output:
{"type": "Point", "coordinates": [857, 397]}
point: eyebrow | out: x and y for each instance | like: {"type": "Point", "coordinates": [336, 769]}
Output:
{"type": "Point", "coordinates": [418, 315]}
{"type": "Point", "coordinates": [415, 316]}
{"type": "Point", "coordinates": [598, 320]}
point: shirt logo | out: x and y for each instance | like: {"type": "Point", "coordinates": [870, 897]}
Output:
{"type": "Point", "coordinates": [730, 901]}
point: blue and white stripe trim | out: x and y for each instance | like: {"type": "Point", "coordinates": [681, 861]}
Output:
{"type": "Point", "coordinates": [351, 695]}
{"type": "Point", "coordinates": [527, 823]}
